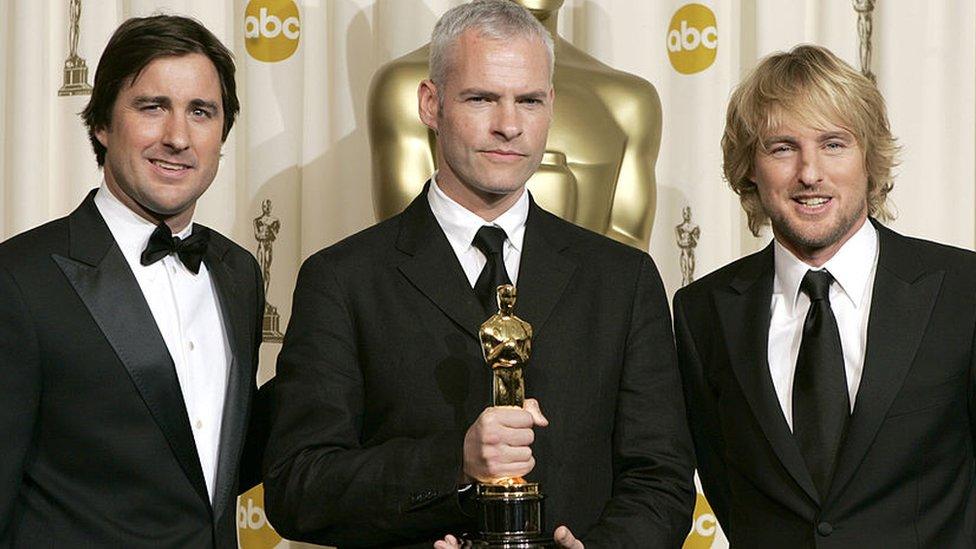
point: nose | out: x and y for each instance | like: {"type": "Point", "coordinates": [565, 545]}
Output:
{"type": "Point", "coordinates": [810, 171]}
{"type": "Point", "coordinates": [507, 122]}
{"type": "Point", "coordinates": [176, 134]}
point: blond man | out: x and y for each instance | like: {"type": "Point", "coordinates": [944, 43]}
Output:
{"type": "Point", "coordinates": [829, 377]}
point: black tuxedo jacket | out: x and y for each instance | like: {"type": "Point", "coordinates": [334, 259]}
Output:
{"type": "Point", "coordinates": [97, 447]}
{"type": "Point", "coordinates": [381, 374]}
{"type": "Point", "coordinates": [904, 476]}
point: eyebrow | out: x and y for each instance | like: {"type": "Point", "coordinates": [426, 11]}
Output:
{"type": "Point", "coordinates": [165, 101]}
{"type": "Point", "coordinates": [538, 94]}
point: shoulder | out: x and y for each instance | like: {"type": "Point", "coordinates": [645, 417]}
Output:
{"type": "Point", "coordinates": [928, 255]}
{"type": "Point", "coordinates": [721, 279]}
{"type": "Point", "coordinates": [25, 250]}
{"type": "Point", "coordinates": [360, 251]}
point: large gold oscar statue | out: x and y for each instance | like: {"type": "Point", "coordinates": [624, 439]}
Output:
{"type": "Point", "coordinates": [598, 169]}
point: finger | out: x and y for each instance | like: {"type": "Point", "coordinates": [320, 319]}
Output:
{"type": "Point", "coordinates": [531, 406]}
{"type": "Point", "coordinates": [510, 470]}
{"type": "Point", "coordinates": [564, 538]}
{"type": "Point", "coordinates": [523, 437]}
{"type": "Point", "coordinates": [509, 416]}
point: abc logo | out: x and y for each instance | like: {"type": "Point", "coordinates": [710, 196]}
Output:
{"type": "Point", "coordinates": [703, 529]}
{"type": "Point", "coordinates": [272, 29]}
{"type": "Point", "coordinates": [253, 530]}
{"type": "Point", "coordinates": [692, 39]}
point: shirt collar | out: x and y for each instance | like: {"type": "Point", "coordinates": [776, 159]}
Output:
{"type": "Point", "coordinates": [851, 266]}
{"type": "Point", "coordinates": [130, 230]}
{"type": "Point", "coordinates": [461, 224]}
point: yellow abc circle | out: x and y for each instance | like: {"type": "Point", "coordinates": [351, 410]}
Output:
{"type": "Point", "coordinates": [692, 39]}
{"type": "Point", "coordinates": [272, 29]}
{"type": "Point", "coordinates": [253, 529]}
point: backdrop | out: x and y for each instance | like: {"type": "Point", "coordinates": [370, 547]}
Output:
{"type": "Point", "coordinates": [303, 72]}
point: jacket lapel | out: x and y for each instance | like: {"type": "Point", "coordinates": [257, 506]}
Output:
{"type": "Point", "coordinates": [100, 275]}
{"type": "Point", "coordinates": [743, 310]}
{"type": "Point", "coordinates": [901, 303]}
{"type": "Point", "coordinates": [544, 272]}
{"type": "Point", "coordinates": [234, 312]}
{"type": "Point", "coordinates": [433, 268]}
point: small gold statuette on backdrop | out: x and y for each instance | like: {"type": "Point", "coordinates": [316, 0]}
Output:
{"type": "Point", "coordinates": [510, 511]}
{"type": "Point", "coordinates": [687, 234]}
{"type": "Point", "coordinates": [266, 229]}
{"type": "Point", "coordinates": [75, 68]}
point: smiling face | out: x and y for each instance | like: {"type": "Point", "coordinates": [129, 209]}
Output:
{"type": "Point", "coordinates": [492, 117]}
{"type": "Point", "coordinates": [163, 144]}
{"type": "Point", "coordinates": [813, 185]}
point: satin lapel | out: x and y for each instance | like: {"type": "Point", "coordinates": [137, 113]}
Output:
{"type": "Point", "coordinates": [743, 310]}
{"type": "Point", "coordinates": [433, 268]}
{"type": "Point", "coordinates": [544, 272]}
{"type": "Point", "coordinates": [100, 275]}
{"type": "Point", "coordinates": [234, 312]}
{"type": "Point", "coordinates": [901, 304]}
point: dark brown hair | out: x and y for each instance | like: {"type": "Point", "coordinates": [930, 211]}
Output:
{"type": "Point", "coordinates": [137, 42]}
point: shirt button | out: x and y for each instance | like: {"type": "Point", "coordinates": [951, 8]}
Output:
{"type": "Point", "coordinates": [199, 424]}
{"type": "Point", "coordinates": [825, 529]}
{"type": "Point", "coordinates": [190, 345]}
{"type": "Point", "coordinates": [172, 269]}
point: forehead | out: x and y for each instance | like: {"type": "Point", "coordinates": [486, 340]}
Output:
{"type": "Point", "coordinates": [802, 119]}
{"type": "Point", "coordinates": [518, 62]}
{"type": "Point", "coordinates": [193, 74]}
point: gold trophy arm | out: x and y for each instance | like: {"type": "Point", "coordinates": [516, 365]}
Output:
{"type": "Point", "coordinates": [632, 211]}
{"type": "Point", "coordinates": [401, 145]}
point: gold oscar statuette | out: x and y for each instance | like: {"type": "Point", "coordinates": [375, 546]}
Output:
{"type": "Point", "coordinates": [510, 512]}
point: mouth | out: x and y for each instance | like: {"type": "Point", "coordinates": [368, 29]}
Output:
{"type": "Point", "coordinates": [170, 168]}
{"type": "Point", "coordinates": [813, 204]}
{"type": "Point", "coordinates": [503, 155]}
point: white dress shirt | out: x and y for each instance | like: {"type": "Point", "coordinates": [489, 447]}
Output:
{"type": "Point", "coordinates": [461, 224]}
{"type": "Point", "coordinates": [853, 268]}
{"type": "Point", "coordinates": [185, 308]}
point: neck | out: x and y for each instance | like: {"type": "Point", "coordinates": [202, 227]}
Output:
{"type": "Point", "coordinates": [176, 222]}
{"type": "Point", "coordinates": [487, 206]}
{"type": "Point", "coordinates": [816, 257]}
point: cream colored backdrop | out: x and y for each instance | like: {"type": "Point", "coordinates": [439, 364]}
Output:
{"type": "Point", "coordinates": [301, 140]}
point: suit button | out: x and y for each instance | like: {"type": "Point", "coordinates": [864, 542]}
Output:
{"type": "Point", "coordinates": [825, 529]}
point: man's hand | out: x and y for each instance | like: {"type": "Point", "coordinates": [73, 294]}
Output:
{"type": "Point", "coordinates": [498, 444]}
{"type": "Point", "coordinates": [563, 537]}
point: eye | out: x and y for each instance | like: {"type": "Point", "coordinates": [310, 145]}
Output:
{"type": "Point", "coordinates": [835, 145]}
{"type": "Point", "coordinates": [477, 99]}
{"type": "Point", "coordinates": [150, 107]}
{"type": "Point", "coordinates": [201, 112]}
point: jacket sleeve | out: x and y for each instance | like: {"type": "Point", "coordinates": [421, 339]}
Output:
{"type": "Point", "coordinates": [653, 489]}
{"type": "Point", "coordinates": [703, 416]}
{"type": "Point", "coordinates": [20, 393]}
{"type": "Point", "coordinates": [323, 483]}
{"type": "Point", "coordinates": [256, 438]}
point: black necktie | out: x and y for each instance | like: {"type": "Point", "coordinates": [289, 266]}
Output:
{"type": "Point", "coordinates": [821, 406]}
{"type": "Point", "coordinates": [490, 241]}
{"type": "Point", "coordinates": [189, 250]}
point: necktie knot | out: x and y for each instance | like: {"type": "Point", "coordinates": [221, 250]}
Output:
{"type": "Point", "coordinates": [490, 240]}
{"type": "Point", "coordinates": [816, 284]}
{"type": "Point", "coordinates": [190, 250]}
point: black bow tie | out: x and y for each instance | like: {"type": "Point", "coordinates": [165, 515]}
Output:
{"type": "Point", "coordinates": [190, 250]}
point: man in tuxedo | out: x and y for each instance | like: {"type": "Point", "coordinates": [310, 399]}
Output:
{"type": "Point", "coordinates": [379, 417]}
{"type": "Point", "coordinates": [829, 378]}
{"type": "Point", "coordinates": [129, 334]}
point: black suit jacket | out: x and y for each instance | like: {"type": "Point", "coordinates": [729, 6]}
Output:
{"type": "Point", "coordinates": [904, 476]}
{"type": "Point", "coordinates": [97, 447]}
{"type": "Point", "coordinates": [381, 374]}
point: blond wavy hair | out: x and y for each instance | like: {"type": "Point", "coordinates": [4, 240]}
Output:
{"type": "Point", "coordinates": [815, 87]}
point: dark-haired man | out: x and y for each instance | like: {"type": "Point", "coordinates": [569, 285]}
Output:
{"type": "Point", "coordinates": [829, 378]}
{"type": "Point", "coordinates": [128, 334]}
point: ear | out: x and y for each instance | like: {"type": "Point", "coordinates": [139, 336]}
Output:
{"type": "Point", "coordinates": [427, 104]}
{"type": "Point", "coordinates": [101, 135]}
